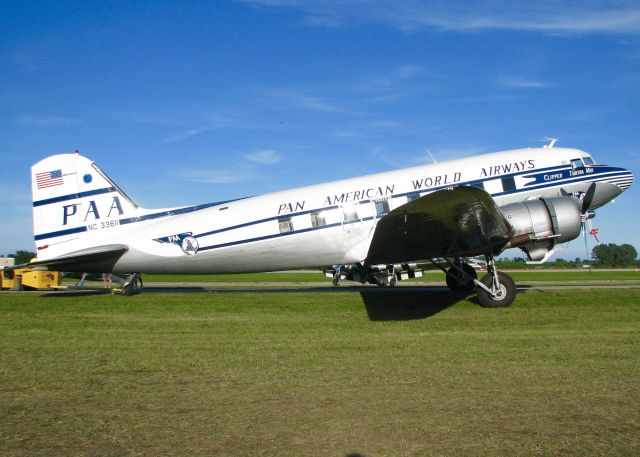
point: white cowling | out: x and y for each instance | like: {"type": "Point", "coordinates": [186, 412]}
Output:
{"type": "Point", "coordinates": [539, 224]}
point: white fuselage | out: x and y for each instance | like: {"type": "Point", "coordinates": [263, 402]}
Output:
{"type": "Point", "coordinates": [326, 224]}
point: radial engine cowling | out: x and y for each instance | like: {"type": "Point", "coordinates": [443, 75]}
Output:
{"type": "Point", "coordinates": [539, 224]}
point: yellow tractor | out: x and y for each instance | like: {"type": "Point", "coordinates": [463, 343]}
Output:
{"type": "Point", "coordinates": [26, 278]}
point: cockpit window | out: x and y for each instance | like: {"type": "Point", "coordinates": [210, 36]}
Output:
{"type": "Point", "coordinates": [588, 161]}
{"type": "Point", "coordinates": [577, 163]}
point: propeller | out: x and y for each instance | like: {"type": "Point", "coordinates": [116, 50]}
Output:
{"type": "Point", "coordinates": [587, 215]}
{"type": "Point", "coordinates": [587, 200]}
{"type": "Point", "coordinates": [585, 203]}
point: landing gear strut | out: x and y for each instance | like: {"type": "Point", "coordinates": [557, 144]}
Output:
{"type": "Point", "coordinates": [495, 289]}
{"type": "Point", "coordinates": [460, 276]}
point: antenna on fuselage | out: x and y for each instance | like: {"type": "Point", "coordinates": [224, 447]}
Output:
{"type": "Point", "coordinates": [431, 155]}
{"type": "Point", "coordinates": [552, 142]}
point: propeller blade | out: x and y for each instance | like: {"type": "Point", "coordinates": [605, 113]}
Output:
{"type": "Point", "coordinates": [586, 245]}
{"type": "Point", "coordinates": [564, 193]}
{"type": "Point", "coordinates": [588, 197]}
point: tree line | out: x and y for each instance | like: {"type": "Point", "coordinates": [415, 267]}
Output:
{"type": "Point", "coordinates": [609, 255]}
{"type": "Point", "coordinates": [21, 256]}
{"type": "Point", "coordinates": [613, 255]}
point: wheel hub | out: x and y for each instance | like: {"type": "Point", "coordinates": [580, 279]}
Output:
{"type": "Point", "coordinates": [499, 293]}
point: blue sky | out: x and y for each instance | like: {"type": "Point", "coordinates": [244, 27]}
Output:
{"type": "Point", "coordinates": [187, 102]}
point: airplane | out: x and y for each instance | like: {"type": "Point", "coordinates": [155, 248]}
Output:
{"type": "Point", "coordinates": [377, 229]}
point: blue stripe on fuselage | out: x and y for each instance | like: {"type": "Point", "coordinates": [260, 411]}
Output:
{"type": "Point", "coordinates": [172, 212]}
{"type": "Point", "coordinates": [70, 231]}
{"type": "Point", "coordinates": [539, 183]}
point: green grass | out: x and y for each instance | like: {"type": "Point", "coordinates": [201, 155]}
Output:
{"type": "Point", "coordinates": [331, 373]}
{"type": "Point", "coordinates": [579, 275]}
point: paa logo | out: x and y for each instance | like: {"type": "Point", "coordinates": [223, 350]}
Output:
{"type": "Point", "coordinates": [71, 211]}
{"type": "Point", "coordinates": [187, 243]}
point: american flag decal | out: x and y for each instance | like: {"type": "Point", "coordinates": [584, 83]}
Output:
{"type": "Point", "coordinates": [49, 179]}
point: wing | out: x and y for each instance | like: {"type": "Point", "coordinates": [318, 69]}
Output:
{"type": "Point", "coordinates": [98, 259]}
{"type": "Point", "coordinates": [463, 221]}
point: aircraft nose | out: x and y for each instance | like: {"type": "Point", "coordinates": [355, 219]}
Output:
{"type": "Point", "coordinates": [606, 189]}
{"type": "Point", "coordinates": [623, 179]}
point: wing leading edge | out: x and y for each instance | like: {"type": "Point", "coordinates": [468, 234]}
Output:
{"type": "Point", "coordinates": [458, 222]}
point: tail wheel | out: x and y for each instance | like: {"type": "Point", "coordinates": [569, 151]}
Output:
{"type": "Point", "coordinates": [500, 296]}
{"type": "Point", "coordinates": [127, 289]}
{"type": "Point", "coordinates": [456, 281]}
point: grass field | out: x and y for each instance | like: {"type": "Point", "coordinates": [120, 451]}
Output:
{"type": "Point", "coordinates": [324, 373]}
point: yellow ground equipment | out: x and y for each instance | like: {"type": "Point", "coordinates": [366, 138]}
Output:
{"type": "Point", "coordinates": [29, 279]}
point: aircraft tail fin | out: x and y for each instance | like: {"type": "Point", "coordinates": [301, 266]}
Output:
{"type": "Point", "coordinates": [75, 205]}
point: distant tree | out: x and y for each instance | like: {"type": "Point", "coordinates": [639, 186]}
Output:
{"type": "Point", "coordinates": [23, 256]}
{"type": "Point", "coordinates": [613, 255]}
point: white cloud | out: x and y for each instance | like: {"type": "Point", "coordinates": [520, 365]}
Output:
{"type": "Point", "coordinates": [187, 134]}
{"type": "Point", "coordinates": [212, 122]}
{"type": "Point", "coordinates": [488, 99]}
{"type": "Point", "coordinates": [408, 71]}
{"type": "Point", "coordinates": [218, 176]}
{"type": "Point", "coordinates": [47, 121]}
{"type": "Point", "coordinates": [209, 122]}
{"type": "Point", "coordinates": [522, 83]}
{"type": "Point", "coordinates": [264, 157]}
{"type": "Point", "coordinates": [452, 152]}
{"type": "Point", "coordinates": [300, 98]}
{"type": "Point", "coordinates": [547, 16]}
{"type": "Point", "coordinates": [242, 173]}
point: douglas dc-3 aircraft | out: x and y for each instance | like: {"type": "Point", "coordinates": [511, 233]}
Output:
{"type": "Point", "coordinates": [377, 228]}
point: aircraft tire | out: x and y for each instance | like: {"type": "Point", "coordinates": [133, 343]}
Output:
{"type": "Point", "coordinates": [507, 292]}
{"type": "Point", "coordinates": [459, 283]}
{"type": "Point", "coordinates": [127, 289]}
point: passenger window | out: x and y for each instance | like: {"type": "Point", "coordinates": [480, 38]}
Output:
{"type": "Point", "coordinates": [317, 219]}
{"type": "Point", "coordinates": [350, 213]}
{"type": "Point", "coordinates": [577, 163]}
{"type": "Point", "coordinates": [382, 208]}
{"type": "Point", "coordinates": [285, 225]}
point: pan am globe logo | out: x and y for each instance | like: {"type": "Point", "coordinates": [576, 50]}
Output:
{"type": "Point", "coordinates": [187, 242]}
{"type": "Point", "coordinates": [189, 245]}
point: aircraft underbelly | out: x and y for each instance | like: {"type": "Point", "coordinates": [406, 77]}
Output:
{"type": "Point", "coordinates": [329, 246]}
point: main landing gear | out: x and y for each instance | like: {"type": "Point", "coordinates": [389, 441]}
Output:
{"type": "Point", "coordinates": [494, 290]}
{"type": "Point", "coordinates": [460, 276]}
{"type": "Point", "coordinates": [133, 280]}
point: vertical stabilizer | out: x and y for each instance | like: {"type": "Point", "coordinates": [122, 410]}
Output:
{"type": "Point", "coordinates": [75, 205]}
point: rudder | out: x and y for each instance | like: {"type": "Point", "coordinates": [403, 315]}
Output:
{"type": "Point", "coordinates": [74, 204]}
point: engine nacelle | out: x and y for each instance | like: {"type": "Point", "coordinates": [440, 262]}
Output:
{"type": "Point", "coordinates": [540, 224]}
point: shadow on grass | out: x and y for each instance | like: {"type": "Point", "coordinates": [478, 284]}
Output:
{"type": "Point", "coordinates": [381, 304]}
{"type": "Point", "coordinates": [408, 303]}
{"type": "Point", "coordinates": [75, 292]}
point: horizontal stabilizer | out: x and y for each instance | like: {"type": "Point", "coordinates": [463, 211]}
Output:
{"type": "Point", "coordinates": [100, 259]}
{"type": "Point", "coordinates": [458, 222]}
